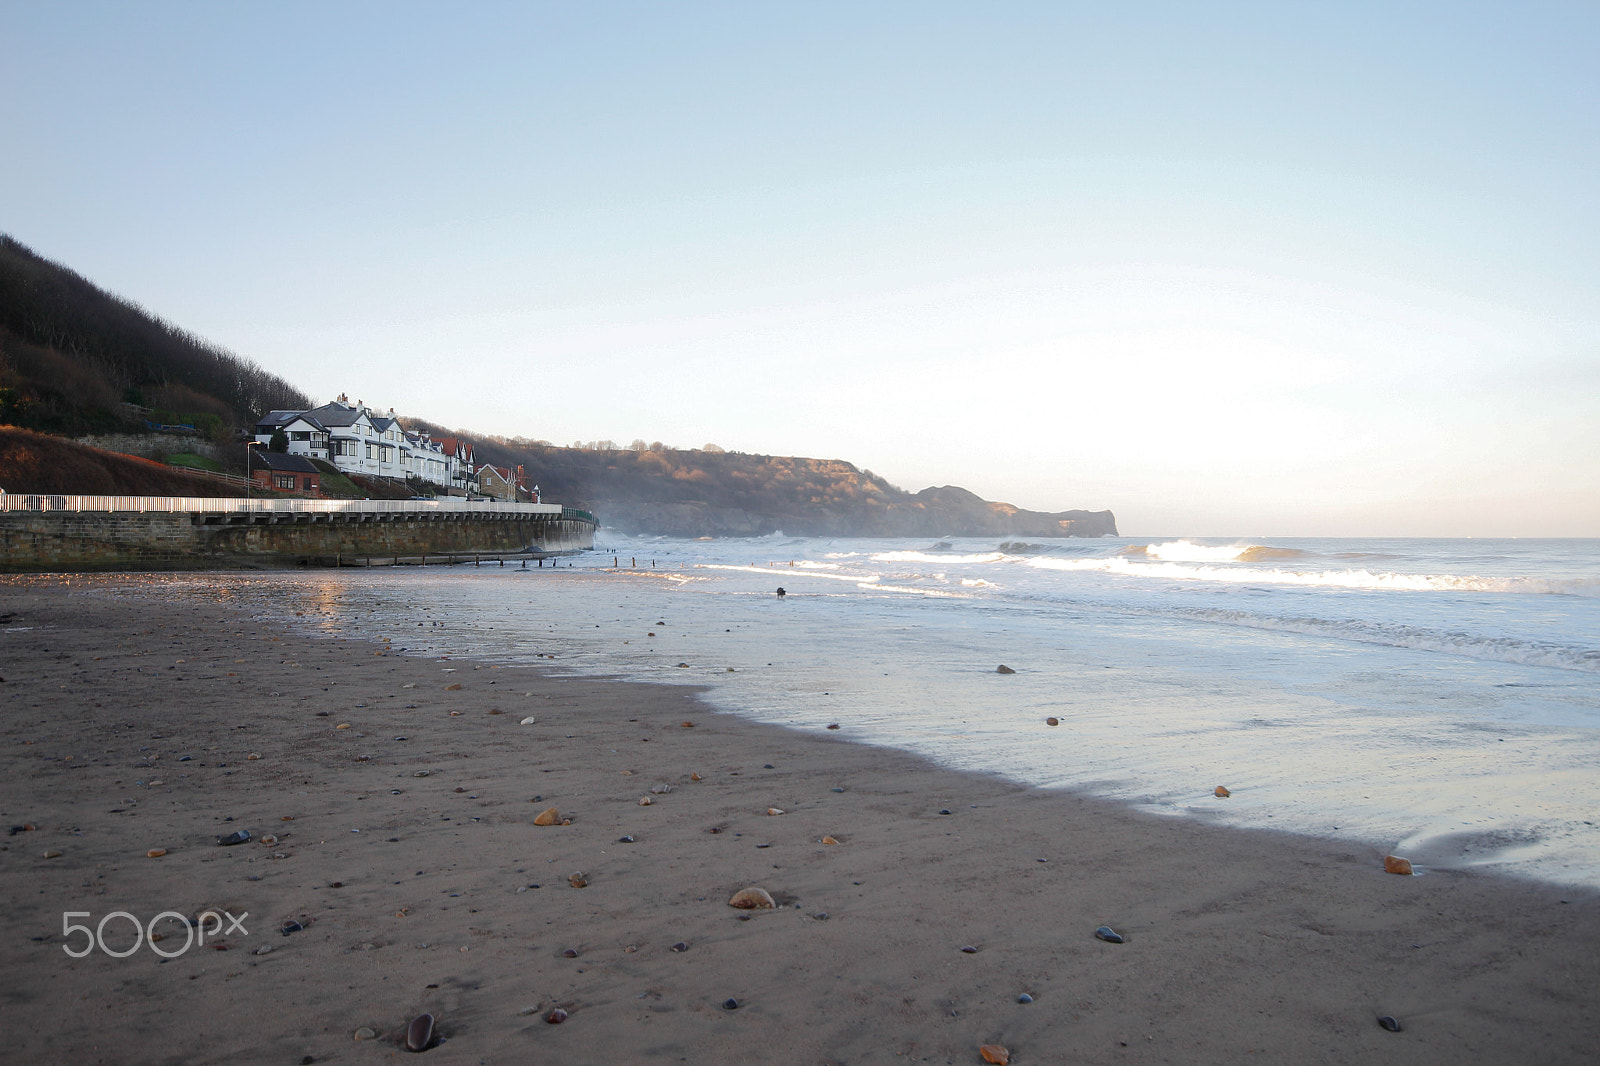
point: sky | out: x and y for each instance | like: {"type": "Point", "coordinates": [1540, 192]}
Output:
{"type": "Point", "coordinates": [1227, 269]}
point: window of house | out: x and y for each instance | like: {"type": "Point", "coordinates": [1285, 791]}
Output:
{"type": "Point", "coordinates": [283, 481]}
{"type": "Point", "coordinates": [300, 435]}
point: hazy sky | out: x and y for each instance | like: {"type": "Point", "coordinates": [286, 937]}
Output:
{"type": "Point", "coordinates": [1224, 268]}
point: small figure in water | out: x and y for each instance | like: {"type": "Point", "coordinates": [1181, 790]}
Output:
{"type": "Point", "coordinates": [781, 593]}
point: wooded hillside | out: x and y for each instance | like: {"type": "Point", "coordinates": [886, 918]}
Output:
{"type": "Point", "coordinates": [72, 354]}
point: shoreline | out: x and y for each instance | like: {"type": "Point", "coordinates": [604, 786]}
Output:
{"type": "Point", "coordinates": [1238, 941]}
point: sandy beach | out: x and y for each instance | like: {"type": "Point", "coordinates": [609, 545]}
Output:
{"type": "Point", "coordinates": [401, 795]}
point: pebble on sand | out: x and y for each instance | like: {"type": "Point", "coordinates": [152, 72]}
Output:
{"type": "Point", "coordinates": [833, 725]}
{"type": "Point", "coordinates": [995, 1053]}
{"type": "Point", "coordinates": [578, 881]}
{"type": "Point", "coordinates": [774, 811]}
{"type": "Point", "coordinates": [1393, 864]}
{"type": "Point", "coordinates": [342, 725]}
{"type": "Point", "coordinates": [1390, 1023]}
{"type": "Point", "coordinates": [1004, 669]}
{"type": "Point", "coordinates": [155, 853]}
{"type": "Point", "coordinates": [252, 757]}
{"type": "Point", "coordinates": [548, 816]}
{"type": "Point", "coordinates": [456, 687]}
{"type": "Point", "coordinates": [52, 855]}
{"type": "Point", "coordinates": [686, 725]}
{"type": "Point", "coordinates": [556, 1017]}
{"type": "Point", "coordinates": [1221, 792]}
{"type": "Point", "coordinates": [1052, 721]}
{"type": "Point", "coordinates": [752, 899]}
{"type": "Point", "coordinates": [829, 840]}
{"type": "Point", "coordinates": [696, 776]}
{"type": "Point", "coordinates": [1109, 935]}
{"type": "Point", "coordinates": [529, 720]}
{"type": "Point", "coordinates": [366, 1033]}
{"type": "Point", "coordinates": [645, 801]}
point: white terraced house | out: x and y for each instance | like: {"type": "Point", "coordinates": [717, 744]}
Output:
{"type": "Point", "coordinates": [358, 441]}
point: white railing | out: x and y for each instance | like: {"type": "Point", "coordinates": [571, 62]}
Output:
{"type": "Point", "coordinates": [196, 504]}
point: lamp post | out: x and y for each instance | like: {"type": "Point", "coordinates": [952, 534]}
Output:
{"type": "Point", "coordinates": [249, 485]}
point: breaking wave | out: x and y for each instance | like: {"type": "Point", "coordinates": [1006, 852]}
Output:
{"type": "Point", "coordinates": [1183, 551]}
{"type": "Point", "coordinates": [1351, 579]}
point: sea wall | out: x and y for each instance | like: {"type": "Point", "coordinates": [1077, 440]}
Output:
{"type": "Point", "coordinates": [74, 540]}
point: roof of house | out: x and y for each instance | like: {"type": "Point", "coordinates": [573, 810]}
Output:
{"type": "Point", "coordinates": [289, 464]}
{"type": "Point", "coordinates": [279, 419]}
{"type": "Point", "coordinates": [337, 415]}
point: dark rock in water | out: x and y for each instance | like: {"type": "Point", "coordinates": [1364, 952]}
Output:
{"type": "Point", "coordinates": [1109, 935]}
{"type": "Point", "coordinates": [730, 1004]}
{"type": "Point", "coordinates": [1004, 669]}
{"type": "Point", "coordinates": [419, 1034]}
{"type": "Point", "coordinates": [1390, 1023]}
{"type": "Point", "coordinates": [238, 836]}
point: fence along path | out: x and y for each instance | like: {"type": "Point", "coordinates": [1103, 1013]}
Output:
{"type": "Point", "coordinates": [202, 505]}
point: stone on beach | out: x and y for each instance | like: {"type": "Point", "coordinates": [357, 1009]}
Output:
{"type": "Point", "coordinates": [578, 881]}
{"type": "Point", "coordinates": [774, 811]}
{"type": "Point", "coordinates": [752, 899]}
{"type": "Point", "coordinates": [453, 688]}
{"type": "Point", "coordinates": [155, 853]}
{"type": "Point", "coordinates": [529, 720]}
{"type": "Point", "coordinates": [829, 840]}
{"type": "Point", "coordinates": [1052, 721]}
{"type": "Point", "coordinates": [1004, 669]}
{"type": "Point", "coordinates": [419, 1034]}
{"type": "Point", "coordinates": [548, 816]}
{"type": "Point", "coordinates": [645, 801]}
{"type": "Point", "coordinates": [995, 1053]}
{"type": "Point", "coordinates": [1393, 864]}
{"type": "Point", "coordinates": [1221, 793]}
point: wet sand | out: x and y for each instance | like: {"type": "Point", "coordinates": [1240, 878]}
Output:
{"type": "Point", "coordinates": [424, 884]}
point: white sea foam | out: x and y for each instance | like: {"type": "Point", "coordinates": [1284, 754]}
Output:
{"type": "Point", "coordinates": [939, 558]}
{"type": "Point", "coordinates": [1350, 579]}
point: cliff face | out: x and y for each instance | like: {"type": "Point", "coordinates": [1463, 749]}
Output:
{"type": "Point", "coordinates": [919, 517]}
{"type": "Point", "coordinates": [679, 493]}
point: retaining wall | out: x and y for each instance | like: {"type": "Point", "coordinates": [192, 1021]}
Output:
{"type": "Point", "coordinates": [67, 540]}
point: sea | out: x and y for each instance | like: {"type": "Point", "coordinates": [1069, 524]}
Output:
{"type": "Point", "coordinates": [1437, 699]}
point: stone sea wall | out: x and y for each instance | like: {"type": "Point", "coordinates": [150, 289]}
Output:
{"type": "Point", "coordinates": [32, 541]}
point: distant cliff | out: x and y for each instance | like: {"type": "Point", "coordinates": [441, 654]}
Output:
{"type": "Point", "coordinates": [695, 493]}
